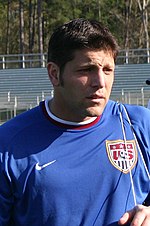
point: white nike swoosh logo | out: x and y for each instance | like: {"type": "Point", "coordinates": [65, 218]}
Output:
{"type": "Point", "coordinates": [40, 167]}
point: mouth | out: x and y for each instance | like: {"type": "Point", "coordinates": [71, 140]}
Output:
{"type": "Point", "coordinates": [96, 98]}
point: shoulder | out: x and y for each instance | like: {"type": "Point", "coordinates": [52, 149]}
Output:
{"type": "Point", "coordinates": [17, 125]}
{"type": "Point", "coordinates": [140, 119]}
{"type": "Point", "coordinates": [111, 109]}
{"type": "Point", "coordinates": [136, 113]}
{"type": "Point", "coordinates": [139, 115]}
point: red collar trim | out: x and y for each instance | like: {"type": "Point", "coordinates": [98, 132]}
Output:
{"type": "Point", "coordinates": [65, 125]}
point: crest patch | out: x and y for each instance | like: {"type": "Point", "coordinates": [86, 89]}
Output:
{"type": "Point", "coordinates": [122, 156]}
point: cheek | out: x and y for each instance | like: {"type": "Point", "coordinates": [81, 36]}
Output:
{"type": "Point", "coordinates": [82, 83]}
{"type": "Point", "coordinates": [109, 81]}
{"type": "Point", "coordinates": [77, 91]}
{"type": "Point", "coordinates": [108, 87]}
{"type": "Point", "coordinates": [78, 84]}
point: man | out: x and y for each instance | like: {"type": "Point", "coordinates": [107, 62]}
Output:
{"type": "Point", "coordinates": [78, 159]}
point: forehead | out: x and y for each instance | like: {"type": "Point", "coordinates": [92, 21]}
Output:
{"type": "Point", "coordinates": [93, 57]}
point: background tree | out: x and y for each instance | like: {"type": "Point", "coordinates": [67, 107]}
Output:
{"type": "Point", "coordinates": [143, 6]}
{"type": "Point", "coordinates": [8, 27]}
{"type": "Point", "coordinates": [32, 10]}
{"type": "Point", "coordinates": [40, 28]}
{"type": "Point", "coordinates": [21, 31]}
{"type": "Point", "coordinates": [128, 20]}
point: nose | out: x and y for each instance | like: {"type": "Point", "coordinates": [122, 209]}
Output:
{"type": "Point", "coordinates": [98, 79]}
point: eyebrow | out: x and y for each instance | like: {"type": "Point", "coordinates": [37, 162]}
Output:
{"type": "Point", "coordinates": [91, 64]}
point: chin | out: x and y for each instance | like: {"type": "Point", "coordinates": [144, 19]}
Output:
{"type": "Point", "coordinates": [96, 109]}
{"type": "Point", "coordinates": [94, 112]}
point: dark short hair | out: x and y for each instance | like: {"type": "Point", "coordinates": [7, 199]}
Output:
{"type": "Point", "coordinates": [76, 35]}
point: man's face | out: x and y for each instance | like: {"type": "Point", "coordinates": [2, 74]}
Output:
{"type": "Point", "coordinates": [87, 84]}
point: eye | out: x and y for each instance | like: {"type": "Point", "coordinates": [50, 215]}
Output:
{"type": "Point", "coordinates": [108, 70]}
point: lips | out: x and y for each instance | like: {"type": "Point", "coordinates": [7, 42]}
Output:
{"type": "Point", "coordinates": [95, 96]}
{"type": "Point", "coordinates": [95, 99]}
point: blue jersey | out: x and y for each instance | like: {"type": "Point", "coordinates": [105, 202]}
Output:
{"type": "Point", "coordinates": [54, 174]}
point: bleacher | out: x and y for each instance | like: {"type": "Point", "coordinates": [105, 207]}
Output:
{"type": "Point", "coordinates": [129, 85]}
{"type": "Point", "coordinates": [131, 76]}
{"type": "Point", "coordinates": [25, 88]}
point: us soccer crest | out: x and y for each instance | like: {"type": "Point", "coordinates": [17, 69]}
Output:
{"type": "Point", "coordinates": [122, 155]}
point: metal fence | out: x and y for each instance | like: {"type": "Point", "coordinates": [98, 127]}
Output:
{"type": "Point", "coordinates": [140, 97]}
{"type": "Point", "coordinates": [23, 61]}
{"type": "Point", "coordinates": [134, 56]}
{"type": "Point", "coordinates": [129, 56]}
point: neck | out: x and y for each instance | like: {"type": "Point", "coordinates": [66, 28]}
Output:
{"type": "Point", "coordinates": [60, 111]}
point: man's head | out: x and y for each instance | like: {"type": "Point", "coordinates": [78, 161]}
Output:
{"type": "Point", "coordinates": [76, 35]}
{"type": "Point", "coordinates": [81, 63]}
{"type": "Point", "coordinates": [148, 81]}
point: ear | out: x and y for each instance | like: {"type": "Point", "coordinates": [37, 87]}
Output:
{"type": "Point", "coordinates": [53, 72]}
